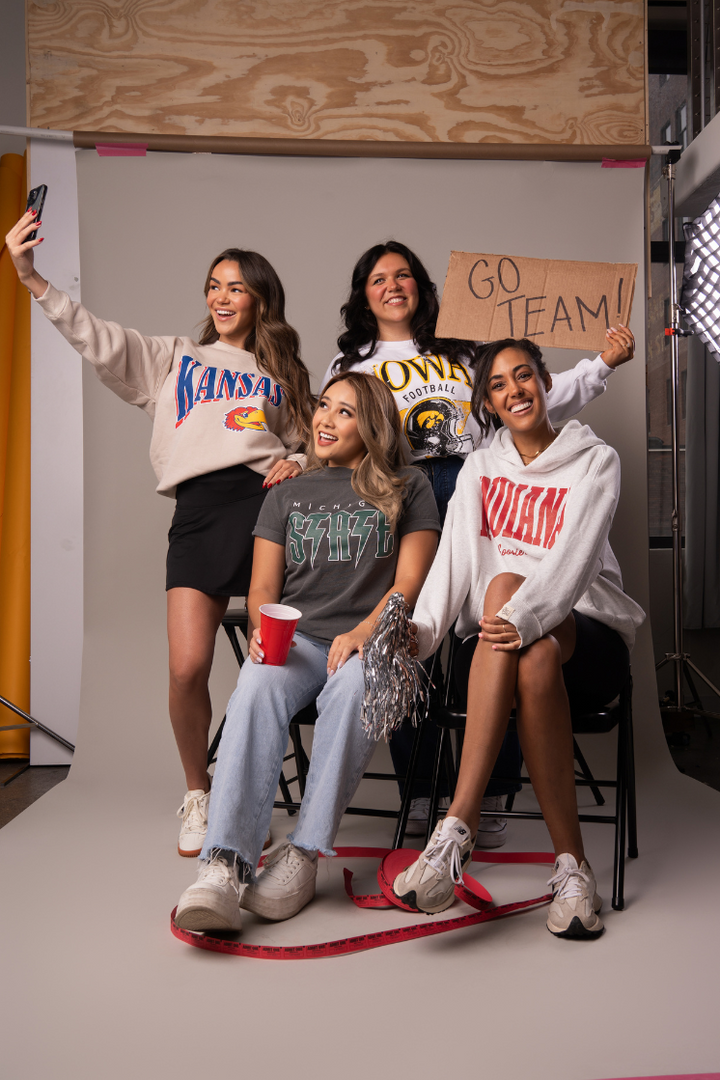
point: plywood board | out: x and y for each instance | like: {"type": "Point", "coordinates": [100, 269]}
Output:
{"type": "Point", "coordinates": [507, 71]}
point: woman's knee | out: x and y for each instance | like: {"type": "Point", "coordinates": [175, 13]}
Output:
{"type": "Point", "coordinates": [539, 666]}
{"type": "Point", "coordinates": [500, 590]}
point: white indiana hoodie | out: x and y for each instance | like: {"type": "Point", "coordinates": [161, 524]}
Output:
{"type": "Point", "coordinates": [548, 522]}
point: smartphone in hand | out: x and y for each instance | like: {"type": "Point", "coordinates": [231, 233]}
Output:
{"type": "Point", "coordinates": [36, 202]}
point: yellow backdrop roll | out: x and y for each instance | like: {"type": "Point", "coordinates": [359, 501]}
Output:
{"type": "Point", "coordinates": [14, 470]}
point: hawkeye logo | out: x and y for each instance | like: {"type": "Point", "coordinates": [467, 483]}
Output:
{"type": "Point", "coordinates": [245, 417]}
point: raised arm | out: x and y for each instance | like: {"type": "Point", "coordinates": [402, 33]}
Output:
{"type": "Point", "coordinates": [21, 251]}
{"type": "Point", "coordinates": [572, 390]}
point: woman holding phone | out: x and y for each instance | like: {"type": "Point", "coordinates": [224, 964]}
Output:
{"type": "Point", "coordinates": [357, 526]}
{"type": "Point", "coordinates": [230, 414]}
{"type": "Point", "coordinates": [390, 318]}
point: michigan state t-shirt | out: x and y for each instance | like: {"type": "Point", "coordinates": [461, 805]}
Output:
{"type": "Point", "coordinates": [340, 553]}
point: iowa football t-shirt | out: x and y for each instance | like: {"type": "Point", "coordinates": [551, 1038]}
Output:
{"type": "Point", "coordinates": [340, 553]}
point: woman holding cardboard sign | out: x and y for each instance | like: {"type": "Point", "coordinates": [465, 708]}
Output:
{"type": "Point", "coordinates": [390, 319]}
{"type": "Point", "coordinates": [357, 526]}
{"type": "Point", "coordinates": [527, 559]}
{"type": "Point", "coordinates": [229, 415]}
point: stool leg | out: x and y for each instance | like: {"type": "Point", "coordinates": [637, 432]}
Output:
{"type": "Point", "coordinates": [232, 636]}
{"type": "Point", "coordinates": [587, 775]}
{"type": "Point", "coordinates": [631, 798]}
{"type": "Point", "coordinates": [212, 752]}
{"type": "Point", "coordinates": [408, 784]}
{"type": "Point", "coordinates": [301, 759]}
{"type": "Point", "coordinates": [618, 899]}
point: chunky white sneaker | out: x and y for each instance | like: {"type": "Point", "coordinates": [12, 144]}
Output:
{"type": "Point", "coordinates": [573, 912]}
{"type": "Point", "coordinates": [212, 903]}
{"type": "Point", "coordinates": [285, 884]}
{"type": "Point", "coordinates": [429, 884]}
{"type": "Point", "coordinates": [492, 831]}
{"type": "Point", "coordinates": [194, 815]}
{"type": "Point", "coordinates": [417, 821]}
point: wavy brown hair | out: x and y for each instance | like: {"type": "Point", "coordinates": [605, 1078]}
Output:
{"type": "Point", "coordinates": [273, 341]}
{"type": "Point", "coordinates": [376, 477]}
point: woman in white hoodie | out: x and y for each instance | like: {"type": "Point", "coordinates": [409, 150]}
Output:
{"type": "Point", "coordinates": [525, 554]}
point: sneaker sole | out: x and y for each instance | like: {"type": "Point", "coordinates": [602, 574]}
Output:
{"type": "Point", "coordinates": [576, 929]}
{"type": "Point", "coordinates": [276, 909]}
{"type": "Point", "coordinates": [201, 919]}
{"type": "Point", "coordinates": [189, 855]}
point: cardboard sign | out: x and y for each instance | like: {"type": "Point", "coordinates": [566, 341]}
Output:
{"type": "Point", "coordinates": [567, 305]}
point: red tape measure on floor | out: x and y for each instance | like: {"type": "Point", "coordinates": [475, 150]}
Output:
{"type": "Point", "coordinates": [392, 863]}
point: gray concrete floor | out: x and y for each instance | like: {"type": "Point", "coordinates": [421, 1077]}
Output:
{"type": "Point", "coordinates": [26, 788]}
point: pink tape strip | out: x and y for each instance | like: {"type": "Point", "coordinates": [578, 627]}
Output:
{"type": "Point", "coordinates": [121, 149]}
{"type": "Point", "coordinates": [676, 1076]}
{"type": "Point", "coordinates": [623, 163]}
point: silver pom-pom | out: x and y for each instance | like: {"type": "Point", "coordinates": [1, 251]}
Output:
{"type": "Point", "coordinates": [393, 689]}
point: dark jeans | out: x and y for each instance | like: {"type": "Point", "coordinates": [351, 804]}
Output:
{"type": "Point", "coordinates": [442, 473]}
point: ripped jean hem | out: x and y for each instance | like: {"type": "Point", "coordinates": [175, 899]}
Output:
{"type": "Point", "coordinates": [327, 852]}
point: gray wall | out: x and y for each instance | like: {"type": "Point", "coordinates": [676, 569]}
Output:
{"type": "Point", "coordinates": [148, 229]}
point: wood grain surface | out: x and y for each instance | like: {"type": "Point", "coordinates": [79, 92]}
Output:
{"type": "Point", "coordinates": [547, 71]}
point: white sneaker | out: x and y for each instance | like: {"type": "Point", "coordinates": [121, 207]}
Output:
{"type": "Point", "coordinates": [429, 884]}
{"type": "Point", "coordinates": [573, 912]}
{"type": "Point", "coordinates": [492, 831]}
{"type": "Point", "coordinates": [417, 821]}
{"type": "Point", "coordinates": [285, 884]}
{"type": "Point", "coordinates": [212, 903]}
{"type": "Point", "coordinates": [194, 814]}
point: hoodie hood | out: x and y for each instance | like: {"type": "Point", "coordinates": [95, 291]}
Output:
{"type": "Point", "coordinates": [573, 440]}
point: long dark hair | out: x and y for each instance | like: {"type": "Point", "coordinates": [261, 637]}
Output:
{"type": "Point", "coordinates": [376, 478]}
{"type": "Point", "coordinates": [274, 342]}
{"type": "Point", "coordinates": [362, 329]}
{"type": "Point", "coordinates": [483, 366]}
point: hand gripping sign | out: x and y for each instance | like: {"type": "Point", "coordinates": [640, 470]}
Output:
{"type": "Point", "coordinates": [554, 302]}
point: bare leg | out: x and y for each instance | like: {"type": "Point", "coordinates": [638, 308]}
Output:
{"type": "Point", "coordinates": [534, 676]}
{"type": "Point", "coordinates": [544, 727]}
{"type": "Point", "coordinates": [193, 621]}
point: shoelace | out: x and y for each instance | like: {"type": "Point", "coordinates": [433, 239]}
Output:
{"type": "Point", "coordinates": [282, 863]}
{"type": "Point", "coordinates": [193, 818]}
{"type": "Point", "coordinates": [217, 872]}
{"type": "Point", "coordinates": [567, 883]}
{"type": "Point", "coordinates": [445, 855]}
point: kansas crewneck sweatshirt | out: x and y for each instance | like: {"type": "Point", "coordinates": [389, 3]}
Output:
{"type": "Point", "coordinates": [211, 406]}
{"type": "Point", "coordinates": [548, 522]}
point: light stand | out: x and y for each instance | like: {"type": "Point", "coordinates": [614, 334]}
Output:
{"type": "Point", "coordinates": [682, 664]}
{"type": "Point", "coordinates": [41, 727]}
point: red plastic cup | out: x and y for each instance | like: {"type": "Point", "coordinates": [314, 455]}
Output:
{"type": "Point", "coordinates": [277, 626]}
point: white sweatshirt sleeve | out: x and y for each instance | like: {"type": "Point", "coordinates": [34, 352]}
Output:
{"type": "Point", "coordinates": [131, 365]}
{"type": "Point", "coordinates": [572, 390]}
{"type": "Point", "coordinates": [448, 583]}
{"type": "Point", "coordinates": [556, 583]}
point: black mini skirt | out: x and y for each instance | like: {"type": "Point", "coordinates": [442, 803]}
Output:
{"type": "Point", "coordinates": [211, 536]}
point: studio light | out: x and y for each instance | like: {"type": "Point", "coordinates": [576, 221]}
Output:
{"type": "Point", "coordinates": [700, 292]}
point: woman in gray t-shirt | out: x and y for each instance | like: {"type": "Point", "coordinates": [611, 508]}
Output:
{"type": "Point", "coordinates": [354, 528]}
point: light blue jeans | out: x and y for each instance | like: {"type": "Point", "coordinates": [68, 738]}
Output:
{"type": "Point", "coordinates": [253, 745]}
